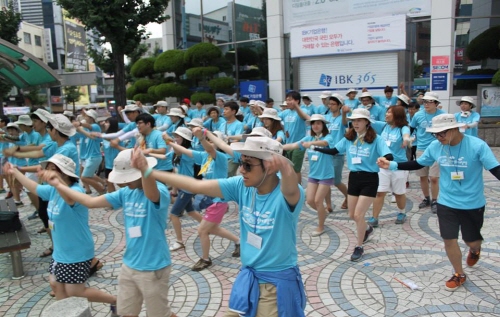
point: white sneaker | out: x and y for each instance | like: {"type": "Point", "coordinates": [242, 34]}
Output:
{"type": "Point", "coordinates": [177, 246]}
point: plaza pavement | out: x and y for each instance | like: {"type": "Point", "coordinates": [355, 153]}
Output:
{"type": "Point", "coordinates": [335, 286]}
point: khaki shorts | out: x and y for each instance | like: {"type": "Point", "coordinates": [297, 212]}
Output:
{"type": "Point", "coordinates": [268, 306]}
{"type": "Point", "coordinates": [432, 171]}
{"type": "Point", "coordinates": [134, 287]}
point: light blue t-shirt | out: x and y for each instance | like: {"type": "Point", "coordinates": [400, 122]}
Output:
{"type": "Point", "coordinates": [174, 126]}
{"type": "Point", "coordinates": [309, 110]}
{"type": "Point", "coordinates": [68, 149]}
{"type": "Point", "coordinates": [385, 102]}
{"type": "Point", "coordinates": [280, 134]}
{"type": "Point", "coordinates": [353, 104]}
{"type": "Point", "coordinates": [110, 153]}
{"type": "Point", "coordinates": [271, 218]}
{"type": "Point", "coordinates": [216, 169]}
{"type": "Point", "coordinates": [197, 113]}
{"type": "Point", "coordinates": [83, 144]}
{"type": "Point", "coordinates": [468, 157]}
{"type": "Point", "coordinates": [320, 165]}
{"type": "Point", "coordinates": [393, 138]}
{"type": "Point", "coordinates": [233, 128]}
{"type": "Point", "coordinates": [335, 126]}
{"type": "Point", "coordinates": [245, 110]}
{"type": "Point", "coordinates": [196, 144]}
{"type": "Point", "coordinates": [377, 113]}
{"type": "Point", "coordinates": [322, 109]}
{"type": "Point", "coordinates": [163, 121]}
{"type": "Point", "coordinates": [154, 140]}
{"type": "Point", "coordinates": [23, 140]}
{"type": "Point", "coordinates": [474, 117]}
{"type": "Point", "coordinates": [149, 252]}
{"type": "Point", "coordinates": [214, 126]}
{"type": "Point", "coordinates": [252, 122]}
{"type": "Point", "coordinates": [93, 147]}
{"type": "Point", "coordinates": [367, 152]}
{"type": "Point", "coordinates": [71, 232]}
{"type": "Point", "coordinates": [49, 148]}
{"type": "Point", "coordinates": [294, 125]}
{"type": "Point", "coordinates": [34, 138]}
{"type": "Point", "coordinates": [422, 120]}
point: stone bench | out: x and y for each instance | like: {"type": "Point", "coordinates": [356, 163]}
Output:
{"type": "Point", "coordinates": [68, 307]}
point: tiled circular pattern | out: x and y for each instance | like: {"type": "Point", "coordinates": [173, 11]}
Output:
{"type": "Point", "coordinates": [335, 286]}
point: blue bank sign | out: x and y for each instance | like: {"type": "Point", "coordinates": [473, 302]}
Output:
{"type": "Point", "coordinates": [254, 89]}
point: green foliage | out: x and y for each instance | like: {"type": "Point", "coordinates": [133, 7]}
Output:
{"type": "Point", "coordinates": [9, 24]}
{"type": "Point", "coordinates": [485, 45]}
{"type": "Point", "coordinates": [200, 72]}
{"type": "Point", "coordinates": [152, 93]}
{"type": "Point", "coordinates": [171, 90]}
{"type": "Point", "coordinates": [202, 54]}
{"type": "Point", "coordinates": [496, 78]}
{"type": "Point", "coordinates": [103, 59]}
{"type": "Point", "coordinates": [33, 95]}
{"type": "Point", "coordinates": [142, 85]}
{"type": "Point", "coordinates": [144, 67]}
{"type": "Point", "coordinates": [224, 85]}
{"type": "Point", "coordinates": [72, 94]}
{"type": "Point", "coordinates": [206, 97]}
{"type": "Point", "coordinates": [131, 92]}
{"type": "Point", "coordinates": [144, 98]}
{"type": "Point", "coordinates": [472, 83]}
{"type": "Point", "coordinates": [171, 61]}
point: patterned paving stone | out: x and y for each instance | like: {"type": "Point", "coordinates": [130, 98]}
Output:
{"type": "Point", "coordinates": [335, 286]}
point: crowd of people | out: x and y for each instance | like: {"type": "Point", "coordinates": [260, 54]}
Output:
{"type": "Point", "coordinates": [194, 160]}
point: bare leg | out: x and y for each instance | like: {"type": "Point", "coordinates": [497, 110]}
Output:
{"type": "Point", "coordinates": [400, 201]}
{"type": "Point", "coordinates": [424, 184]}
{"type": "Point", "coordinates": [96, 184]}
{"type": "Point", "coordinates": [92, 294]}
{"type": "Point", "coordinates": [454, 254]}
{"type": "Point", "coordinates": [328, 200]}
{"type": "Point", "coordinates": [359, 212]}
{"type": "Point", "coordinates": [311, 195]}
{"type": "Point", "coordinates": [176, 223]}
{"type": "Point", "coordinates": [378, 203]}
{"type": "Point", "coordinates": [321, 193]}
{"type": "Point", "coordinates": [435, 187]}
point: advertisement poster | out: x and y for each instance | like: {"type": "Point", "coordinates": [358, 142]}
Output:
{"type": "Point", "coordinates": [254, 89]}
{"type": "Point", "coordinates": [76, 45]}
{"type": "Point", "coordinates": [369, 35]}
{"type": "Point", "coordinates": [489, 101]}
{"type": "Point", "coordinates": [307, 12]}
{"type": "Point", "coordinates": [439, 82]}
{"type": "Point", "coordinates": [440, 64]}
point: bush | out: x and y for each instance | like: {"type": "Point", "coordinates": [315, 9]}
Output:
{"type": "Point", "coordinates": [485, 45]}
{"type": "Point", "coordinates": [472, 83]}
{"type": "Point", "coordinates": [143, 67]}
{"type": "Point", "coordinates": [142, 85]}
{"type": "Point", "coordinates": [224, 85]}
{"type": "Point", "coordinates": [152, 93]}
{"type": "Point", "coordinates": [205, 97]}
{"type": "Point", "coordinates": [131, 91]}
{"type": "Point", "coordinates": [200, 72]}
{"type": "Point", "coordinates": [171, 90]}
{"type": "Point", "coordinates": [496, 78]}
{"type": "Point", "coordinates": [144, 98]}
{"type": "Point", "coordinates": [201, 54]}
{"type": "Point", "coordinates": [171, 62]}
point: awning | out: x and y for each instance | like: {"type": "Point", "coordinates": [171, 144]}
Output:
{"type": "Point", "coordinates": [21, 69]}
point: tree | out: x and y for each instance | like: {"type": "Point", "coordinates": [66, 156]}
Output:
{"type": "Point", "coordinates": [122, 24]}
{"type": "Point", "coordinates": [33, 95]}
{"type": "Point", "coordinates": [72, 94]}
{"type": "Point", "coordinates": [485, 45]}
{"type": "Point", "coordinates": [9, 25]}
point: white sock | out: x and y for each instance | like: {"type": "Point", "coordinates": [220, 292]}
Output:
{"type": "Point", "coordinates": [402, 211]}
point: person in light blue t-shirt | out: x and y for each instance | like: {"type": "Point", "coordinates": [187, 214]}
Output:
{"type": "Point", "coordinates": [387, 99]}
{"type": "Point", "coordinates": [362, 147]}
{"type": "Point", "coordinates": [162, 120]}
{"type": "Point", "coordinates": [126, 134]}
{"type": "Point", "coordinates": [70, 266]}
{"type": "Point", "coordinates": [17, 138]}
{"type": "Point", "coordinates": [110, 125]}
{"type": "Point", "coordinates": [461, 202]}
{"type": "Point", "coordinates": [321, 172]}
{"type": "Point", "coordinates": [467, 116]}
{"type": "Point", "coordinates": [145, 205]}
{"type": "Point", "coordinates": [214, 121]}
{"type": "Point", "coordinates": [269, 212]}
{"type": "Point", "coordinates": [199, 112]}
{"type": "Point", "coordinates": [231, 127]}
{"type": "Point", "coordinates": [351, 101]}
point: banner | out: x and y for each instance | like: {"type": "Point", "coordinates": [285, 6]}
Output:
{"type": "Point", "coordinates": [76, 45]}
{"type": "Point", "coordinates": [370, 35]}
{"type": "Point", "coordinates": [16, 111]}
{"type": "Point", "coordinates": [307, 12]}
{"type": "Point", "coordinates": [489, 101]}
{"type": "Point", "coordinates": [254, 89]}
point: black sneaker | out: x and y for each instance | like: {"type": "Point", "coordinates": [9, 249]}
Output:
{"type": "Point", "coordinates": [434, 207]}
{"type": "Point", "coordinates": [357, 254]}
{"type": "Point", "coordinates": [201, 265]}
{"type": "Point", "coordinates": [236, 252]}
{"type": "Point", "coordinates": [34, 215]}
{"type": "Point", "coordinates": [368, 234]}
{"type": "Point", "coordinates": [425, 203]}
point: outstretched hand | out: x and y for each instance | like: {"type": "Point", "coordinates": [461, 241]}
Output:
{"type": "Point", "coordinates": [8, 169]}
{"type": "Point", "coordinates": [382, 162]}
{"type": "Point", "coordinates": [138, 160]}
{"type": "Point", "coordinates": [51, 177]}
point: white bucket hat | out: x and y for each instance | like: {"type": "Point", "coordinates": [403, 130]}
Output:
{"type": "Point", "coordinates": [195, 122]}
{"type": "Point", "coordinates": [270, 113]}
{"type": "Point", "coordinates": [251, 102]}
{"type": "Point", "coordinates": [317, 117]}
{"type": "Point", "coordinates": [306, 96]}
{"type": "Point", "coordinates": [14, 126]}
{"type": "Point", "coordinates": [351, 90]}
{"type": "Point", "coordinates": [130, 108]}
{"type": "Point", "coordinates": [184, 133]}
{"type": "Point", "coordinates": [430, 95]}
{"type": "Point", "coordinates": [122, 171]}
{"type": "Point", "coordinates": [176, 112]}
{"type": "Point", "coordinates": [339, 98]}
{"type": "Point", "coordinates": [44, 115]}
{"type": "Point", "coordinates": [220, 135]}
{"type": "Point", "coordinates": [360, 113]}
{"type": "Point", "coordinates": [185, 108]}
{"type": "Point", "coordinates": [65, 164]}
{"type": "Point", "coordinates": [284, 104]}
{"type": "Point", "coordinates": [365, 94]}
{"type": "Point", "coordinates": [68, 113]}
{"type": "Point", "coordinates": [92, 113]}
{"type": "Point", "coordinates": [443, 122]}
{"type": "Point", "coordinates": [404, 99]}
{"type": "Point", "coordinates": [161, 103]}
{"type": "Point", "coordinates": [260, 104]}
{"type": "Point", "coordinates": [259, 147]}
{"type": "Point", "coordinates": [24, 119]}
{"type": "Point", "coordinates": [467, 99]}
{"type": "Point", "coordinates": [325, 94]}
{"type": "Point", "coordinates": [258, 131]}
{"type": "Point", "coordinates": [62, 124]}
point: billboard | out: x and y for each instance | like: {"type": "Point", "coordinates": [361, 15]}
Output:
{"type": "Point", "coordinates": [216, 30]}
{"type": "Point", "coordinates": [368, 35]}
{"type": "Point", "coordinates": [488, 101]}
{"type": "Point", "coordinates": [76, 45]}
{"type": "Point", "coordinates": [310, 12]}
{"type": "Point", "coordinates": [254, 89]}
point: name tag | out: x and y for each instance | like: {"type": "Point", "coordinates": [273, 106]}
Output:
{"type": "Point", "coordinates": [135, 232]}
{"type": "Point", "coordinates": [254, 240]}
{"type": "Point", "coordinates": [461, 130]}
{"type": "Point", "coordinates": [356, 160]}
{"type": "Point", "coordinates": [388, 143]}
{"type": "Point", "coordinates": [456, 176]}
{"type": "Point", "coordinates": [51, 225]}
{"type": "Point", "coordinates": [314, 158]}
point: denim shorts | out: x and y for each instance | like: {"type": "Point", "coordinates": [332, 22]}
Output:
{"type": "Point", "coordinates": [183, 202]}
{"type": "Point", "coordinates": [202, 202]}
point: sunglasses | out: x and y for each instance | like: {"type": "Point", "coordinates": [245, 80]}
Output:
{"type": "Point", "coordinates": [441, 134]}
{"type": "Point", "coordinates": [247, 166]}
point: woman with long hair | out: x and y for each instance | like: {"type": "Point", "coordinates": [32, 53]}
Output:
{"type": "Point", "coordinates": [272, 122]}
{"type": "Point", "coordinates": [362, 147]}
{"type": "Point", "coordinates": [177, 116]}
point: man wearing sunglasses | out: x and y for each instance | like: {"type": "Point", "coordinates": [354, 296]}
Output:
{"type": "Point", "coordinates": [461, 202]}
{"type": "Point", "coordinates": [419, 123]}
{"type": "Point", "coordinates": [269, 283]}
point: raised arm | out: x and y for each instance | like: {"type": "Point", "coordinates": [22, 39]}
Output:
{"type": "Point", "coordinates": [201, 134]}
{"type": "Point", "coordinates": [25, 181]}
{"type": "Point", "coordinates": [148, 183]}
{"type": "Point", "coordinates": [289, 184]}
{"type": "Point", "coordinates": [219, 143]}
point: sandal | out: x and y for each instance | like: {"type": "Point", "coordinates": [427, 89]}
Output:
{"type": "Point", "coordinates": [47, 252]}
{"type": "Point", "coordinates": [96, 267]}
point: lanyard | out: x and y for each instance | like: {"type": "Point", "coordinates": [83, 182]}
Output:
{"type": "Point", "coordinates": [360, 139]}
{"type": "Point", "coordinates": [455, 162]}
{"type": "Point", "coordinates": [254, 211]}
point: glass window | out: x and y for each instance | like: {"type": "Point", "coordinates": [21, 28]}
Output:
{"type": "Point", "coordinates": [38, 40]}
{"type": "Point", "coordinates": [476, 60]}
{"type": "Point", "coordinates": [250, 21]}
{"type": "Point", "coordinates": [27, 38]}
